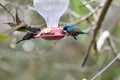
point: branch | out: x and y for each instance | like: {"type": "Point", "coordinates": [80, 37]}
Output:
{"type": "Point", "coordinates": [117, 57]}
{"type": "Point", "coordinates": [7, 11]}
{"type": "Point", "coordinates": [112, 46]}
{"type": "Point", "coordinates": [87, 3]}
{"type": "Point", "coordinates": [97, 27]}
{"type": "Point", "coordinates": [81, 19]}
{"type": "Point", "coordinates": [89, 7]}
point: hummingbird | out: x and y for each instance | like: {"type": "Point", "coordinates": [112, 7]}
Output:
{"type": "Point", "coordinates": [31, 32]}
{"type": "Point", "coordinates": [18, 24]}
{"type": "Point", "coordinates": [73, 31]}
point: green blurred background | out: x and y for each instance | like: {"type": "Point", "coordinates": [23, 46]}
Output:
{"type": "Point", "coordinates": [39, 59]}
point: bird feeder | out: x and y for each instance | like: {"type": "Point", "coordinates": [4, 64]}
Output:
{"type": "Point", "coordinates": [51, 11]}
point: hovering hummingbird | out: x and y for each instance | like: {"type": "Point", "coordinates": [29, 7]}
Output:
{"type": "Point", "coordinates": [31, 32]}
{"type": "Point", "coordinates": [73, 31]}
{"type": "Point", "coordinates": [18, 25]}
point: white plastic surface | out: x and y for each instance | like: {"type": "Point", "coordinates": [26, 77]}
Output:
{"type": "Point", "coordinates": [51, 10]}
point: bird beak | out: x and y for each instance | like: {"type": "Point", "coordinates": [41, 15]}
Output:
{"type": "Point", "coordinates": [5, 23]}
{"type": "Point", "coordinates": [9, 23]}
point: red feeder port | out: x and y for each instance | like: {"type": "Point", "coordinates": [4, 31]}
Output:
{"type": "Point", "coordinates": [51, 34]}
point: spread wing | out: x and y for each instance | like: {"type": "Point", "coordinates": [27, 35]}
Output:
{"type": "Point", "coordinates": [21, 24]}
{"type": "Point", "coordinates": [18, 21]}
{"type": "Point", "coordinates": [19, 15]}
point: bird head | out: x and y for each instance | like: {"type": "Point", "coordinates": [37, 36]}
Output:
{"type": "Point", "coordinates": [67, 28]}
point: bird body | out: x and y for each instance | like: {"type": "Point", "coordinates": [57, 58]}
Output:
{"type": "Point", "coordinates": [33, 30]}
{"type": "Point", "coordinates": [73, 31]}
{"type": "Point", "coordinates": [22, 27]}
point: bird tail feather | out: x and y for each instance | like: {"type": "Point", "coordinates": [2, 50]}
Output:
{"type": "Point", "coordinates": [82, 33]}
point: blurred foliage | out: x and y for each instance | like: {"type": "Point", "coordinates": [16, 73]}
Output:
{"type": "Point", "coordinates": [3, 37]}
{"type": "Point", "coordinates": [76, 6]}
{"type": "Point", "coordinates": [53, 60]}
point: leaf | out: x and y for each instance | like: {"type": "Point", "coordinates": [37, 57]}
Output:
{"type": "Point", "coordinates": [3, 37]}
{"type": "Point", "coordinates": [75, 5]}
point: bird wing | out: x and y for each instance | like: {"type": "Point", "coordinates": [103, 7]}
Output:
{"type": "Point", "coordinates": [18, 21]}
{"type": "Point", "coordinates": [19, 15]}
{"type": "Point", "coordinates": [74, 32]}
{"type": "Point", "coordinates": [21, 24]}
{"type": "Point", "coordinates": [78, 31]}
